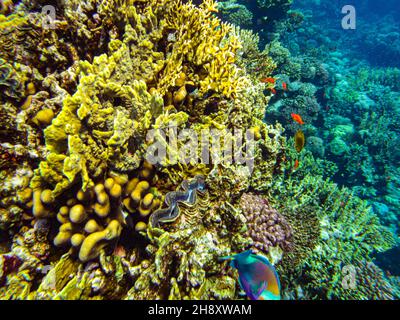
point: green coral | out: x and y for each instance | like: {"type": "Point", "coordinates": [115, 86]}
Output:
{"type": "Point", "coordinates": [235, 13]}
{"type": "Point", "coordinates": [349, 232]}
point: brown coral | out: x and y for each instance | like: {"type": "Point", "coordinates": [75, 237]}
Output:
{"type": "Point", "coordinates": [266, 226]}
{"type": "Point", "coordinates": [371, 282]}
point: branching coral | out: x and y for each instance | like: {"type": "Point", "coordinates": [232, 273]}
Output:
{"type": "Point", "coordinates": [349, 231]}
{"type": "Point", "coordinates": [257, 64]}
{"type": "Point", "coordinates": [235, 13]}
{"type": "Point", "coordinates": [371, 283]}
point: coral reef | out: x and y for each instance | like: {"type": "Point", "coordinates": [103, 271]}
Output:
{"type": "Point", "coordinates": [87, 109]}
{"type": "Point", "coordinates": [349, 232]}
{"type": "Point", "coordinates": [141, 141]}
{"type": "Point", "coordinates": [267, 227]}
{"type": "Point", "coordinates": [194, 253]}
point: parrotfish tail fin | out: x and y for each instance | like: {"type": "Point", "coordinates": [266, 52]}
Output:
{"type": "Point", "coordinates": [242, 287]}
{"type": "Point", "coordinates": [254, 295]}
{"type": "Point", "coordinates": [267, 295]}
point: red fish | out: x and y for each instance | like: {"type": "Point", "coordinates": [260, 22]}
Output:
{"type": "Point", "coordinates": [273, 91]}
{"type": "Point", "coordinates": [284, 86]}
{"type": "Point", "coordinates": [296, 164]}
{"type": "Point", "coordinates": [268, 80]}
{"type": "Point", "coordinates": [297, 118]}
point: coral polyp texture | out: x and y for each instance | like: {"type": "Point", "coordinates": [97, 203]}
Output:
{"type": "Point", "coordinates": [134, 155]}
{"type": "Point", "coordinates": [266, 226]}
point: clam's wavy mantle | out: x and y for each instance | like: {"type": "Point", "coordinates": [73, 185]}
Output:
{"type": "Point", "coordinates": [188, 195]}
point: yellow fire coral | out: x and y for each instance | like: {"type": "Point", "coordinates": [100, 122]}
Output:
{"type": "Point", "coordinates": [96, 125]}
{"type": "Point", "coordinates": [199, 39]}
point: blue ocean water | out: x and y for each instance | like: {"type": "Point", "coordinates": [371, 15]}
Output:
{"type": "Point", "coordinates": [356, 117]}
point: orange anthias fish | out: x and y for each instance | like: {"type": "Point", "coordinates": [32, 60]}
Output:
{"type": "Point", "coordinates": [296, 164]}
{"type": "Point", "coordinates": [268, 80]}
{"type": "Point", "coordinates": [284, 86]}
{"type": "Point", "coordinates": [297, 118]}
{"type": "Point", "coordinates": [273, 91]}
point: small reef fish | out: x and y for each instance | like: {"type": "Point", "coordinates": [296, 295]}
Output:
{"type": "Point", "coordinates": [257, 277]}
{"type": "Point", "coordinates": [299, 140]}
{"type": "Point", "coordinates": [268, 80]}
{"type": "Point", "coordinates": [273, 91]}
{"type": "Point", "coordinates": [297, 118]}
{"type": "Point", "coordinates": [296, 164]}
{"type": "Point", "coordinates": [284, 86]}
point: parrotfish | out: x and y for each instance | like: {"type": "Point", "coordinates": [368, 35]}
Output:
{"type": "Point", "coordinates": [257, 277]}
